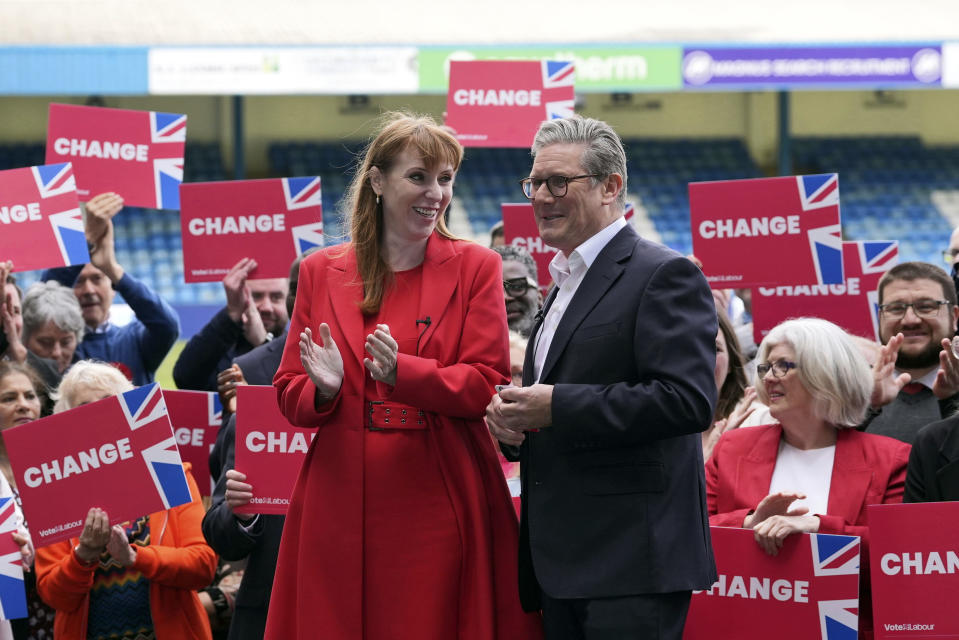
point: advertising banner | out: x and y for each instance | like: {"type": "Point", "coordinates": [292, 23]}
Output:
{"type": "Point", "coordinates": [768, 231]}
{"type": "Point", "coordinates": [269, 450]}
{"type": "Point", "coordinates": [501, 104]}
{"type": "Point", "coordinates": [138, 154]}
{"type": "Point", "coordinates": [914, 562]}
{"type": "Point", "coordinates": [272, 221]}
{"type": "Point", "coordinates": [41, 224]}
{"type": "Point", "coordinates": [853, 305]}
{"type": "Point", "coordinates": [124, 460]}
{"type": "Point", "coordinates": [196, 417]}
{"type": "Point", "coordinates": [599, 69]}
{"type": "Point", "coordinates": [804, 66]}
{"type": "Point", "coordinates": [810, 590]}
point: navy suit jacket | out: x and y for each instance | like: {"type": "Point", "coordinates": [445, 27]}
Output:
{"type": "Point", "coordinates": [614, 495]}
{"type": "Point", "coordinates": [261, 544]}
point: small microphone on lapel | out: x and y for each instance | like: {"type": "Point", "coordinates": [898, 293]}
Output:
{"type": "Point", "coordinates": [539, 317]}
{"type": "Point", "coordinates": [425, 321]}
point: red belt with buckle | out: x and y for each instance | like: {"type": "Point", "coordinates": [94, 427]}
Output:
{"type": "Point", "coordinates": [393, 415]}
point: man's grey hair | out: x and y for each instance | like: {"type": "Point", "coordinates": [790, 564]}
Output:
{"type": "Point", "coordinates": [51, 301]}
{"type": "Point", "coordinates": [521, 255]}
{"type": "Point", "coordinates": [603, 154]}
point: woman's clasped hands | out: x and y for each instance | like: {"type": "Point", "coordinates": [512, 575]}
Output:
{"type": "Point", "coordinates": [772, 520]}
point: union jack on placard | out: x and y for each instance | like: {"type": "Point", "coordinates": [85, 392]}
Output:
{"type": "Point", "coordinates": [878, 257]}
{"type": "Point", "coordinates": [834, 555]}
{"type": "Point", "coordinates": [13, 595]}
{"type": "Point", "coordinates": [818, 191]}
{"type": "Point", "coordinates": [558, 73]}
{"type": "Point", "coordinates": [307, 236]}
{"type": "Point", "coordinates": [839, 619]}
{"type": "Point", "coordinates": [54, 179]}
{"type": "Point", "coordinates": [825, 243]}
{"type": "Point", "coordinates": [214, 409]}
{"type": "Point", "coordinates": [166, 468]}
{"type": "Point", "coordinates": [167, 127]}
{"type": "Point", "coordinates": [143, 405]}
{"type": "Point", "coordinates": [68, 230]}
{"type": "Point", "coordinates": [301, 193]}
{"type": "Point", "coordinates": [167, 176]}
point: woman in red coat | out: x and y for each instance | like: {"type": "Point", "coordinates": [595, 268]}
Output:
{"type": "Point", "coordinates": [812, 473]}
{"type": "Point", "coordinates": [400, 525]}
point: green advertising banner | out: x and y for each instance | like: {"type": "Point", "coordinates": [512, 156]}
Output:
{"type": "Point", "coordinates": [598, 69]}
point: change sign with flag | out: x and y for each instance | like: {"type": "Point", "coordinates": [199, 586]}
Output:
{"type": "Point", "coordinates": [273, 221]}
{"type": "Point", "coordinates": [810, 590]}
{"type": "Point", "coordinates": [494, 103]}
{"type": "Point", "coordinates": [124, 460]}
{"type": "Point", "coordinates": [853, 305]}
{"type": "Point", "coordinates": [196, 417]}
{"type": "Point", "coordinates": [41, 224]}
{"type": "Point", "coordinates": [138, 154]}
{"type": "Point", "coordinates": [768, 231]}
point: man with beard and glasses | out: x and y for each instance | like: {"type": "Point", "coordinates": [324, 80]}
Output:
{"type": "Point", "coordinates": [917, 375]}
{"type": "Point", "coordinates": [520, 288]}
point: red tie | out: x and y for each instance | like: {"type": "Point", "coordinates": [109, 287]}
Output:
{"type": "Point", "coordinates": [913, 388]}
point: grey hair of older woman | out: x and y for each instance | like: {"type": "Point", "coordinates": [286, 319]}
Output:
{"type": "Point", "coordinates": [52, 302]}
{"type": "Point", "coordinates": [85, 375]}
{"type": "Point", "coordinates": [830, 366]}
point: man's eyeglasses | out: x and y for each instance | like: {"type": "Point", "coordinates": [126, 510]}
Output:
{"type": "Point", "coordinates": [949, 256]}
{"type": "Point", "coordinates": [557, 185]}
{"type": "Point", "coordinates": [518, 286]}
{"type": "Point", "coordinates": [922, 308]}
{"type": "Point", "coordinates": [779, 368]}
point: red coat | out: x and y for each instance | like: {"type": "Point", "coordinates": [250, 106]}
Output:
{"type": "Point", "coordinates": [867, 469]}
{"type": "Point", "coordinates": [463, 353]}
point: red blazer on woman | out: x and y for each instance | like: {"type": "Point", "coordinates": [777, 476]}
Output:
{"type": "Point", "coordinates": [463, 353]}
{"type": "Point", "coordinates": [867, 469]}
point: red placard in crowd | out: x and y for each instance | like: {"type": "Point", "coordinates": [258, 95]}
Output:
{"type": "Point", "coordinates": [272, 221]}
{"type": "Point", "coordinates": [118, 454]}
{"type": "Point", "coordinates": [497, 103]}
{"type": "Point", "coordinates": [810, 590]}
{"type": "Point", "coordinates": [768, 231]}
{"type": "Point", "coordinates": [269, 450]}
{"type": "Point", "coordinates": [41, 224]}
{"type": "Point", "coordinates": [914, 562]}
{"type": "Point", "coordinates": [196, 417]}
{"type": "Point", "coordinates": [138, 154]}
{"type": "Point", "coordinates": [853, 305]}
{"type": "Point", "coordinates": [13, 593]}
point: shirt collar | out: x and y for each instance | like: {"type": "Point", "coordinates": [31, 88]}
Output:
{"type": "Point", "coordinates": [582, 257]}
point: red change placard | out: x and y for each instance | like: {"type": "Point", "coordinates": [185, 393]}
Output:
{"type": "Point", "coordinates": [810, 590]}
{"type": "Point", "coordinates": [496, 103]}
{"type": "Point", "coordinates": [269, 450]}
{"type": "Point", "coordinates": [914, 558]}
{"type": "Point", "coordinates": [853, 305]}
{"type": "Point", "coordinates": [41, 225]}
{"type": "Point", "coordinates": [768, 231]}
{"type": "Point", "coordinates": [196, 417]}
{"type": "Point", "coordinates": [118, 454]}
{"type": "Point", "coordinates": [138, 154]}
{"type": "Point", "coordinates": [272, 221]}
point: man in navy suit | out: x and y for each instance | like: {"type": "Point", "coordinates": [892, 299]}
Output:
{"type": "Point", "coordinates": [618, 384]}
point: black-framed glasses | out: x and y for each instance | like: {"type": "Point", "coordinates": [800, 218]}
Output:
{"type": "Point", "coordinates": [927, 308]}
{"type": "Point", "coordinates": [557, 185]}
{"type": "Point", "coordinates": [518, 286]}
{"type": "Point", "coordinates": [779, 368]}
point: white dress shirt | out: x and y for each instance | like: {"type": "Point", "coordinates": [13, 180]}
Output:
{"type": "Point", "coordinates": [568, 273]}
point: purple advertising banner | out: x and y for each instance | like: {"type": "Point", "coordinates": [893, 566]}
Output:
{"type": "Point", "coordinates": [812, 66]}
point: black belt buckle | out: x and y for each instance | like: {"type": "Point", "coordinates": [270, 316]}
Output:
{"type": "Point", "coordinates": [369, 416]}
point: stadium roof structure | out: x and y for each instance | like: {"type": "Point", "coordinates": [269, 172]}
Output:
{"type": "Point", "coordinates": [418, 23]}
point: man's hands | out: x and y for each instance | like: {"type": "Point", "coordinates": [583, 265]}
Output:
{"type": "Point", "coordinates": [239, 301]}
{"type": "Point", "coordinates": [886, 385]}
{"type": "Point", "coordinates": [95, 535]}
{"type": "Point", "coordinates": [515, 410]}
{"type": "Point", "coordinates": [120, 548]}
{"type": "Point", "coordinates": [226, 383]}
{"type": "Point", "coordinates": [947, 380]}
{"type": "Point", "coordinates": [238, 493]}
{"type": "Point", "coordinates": [98, 224]}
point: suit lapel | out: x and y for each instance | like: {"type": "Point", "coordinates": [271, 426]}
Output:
{"type": "Point", "coordinates": [441, 273]}
{"type": "Point", "coordinates": [600, 276]}
{"type": "Point", "coordinates": [850, 480]}
{"type": "Point", "coordinates": [346, 293]}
